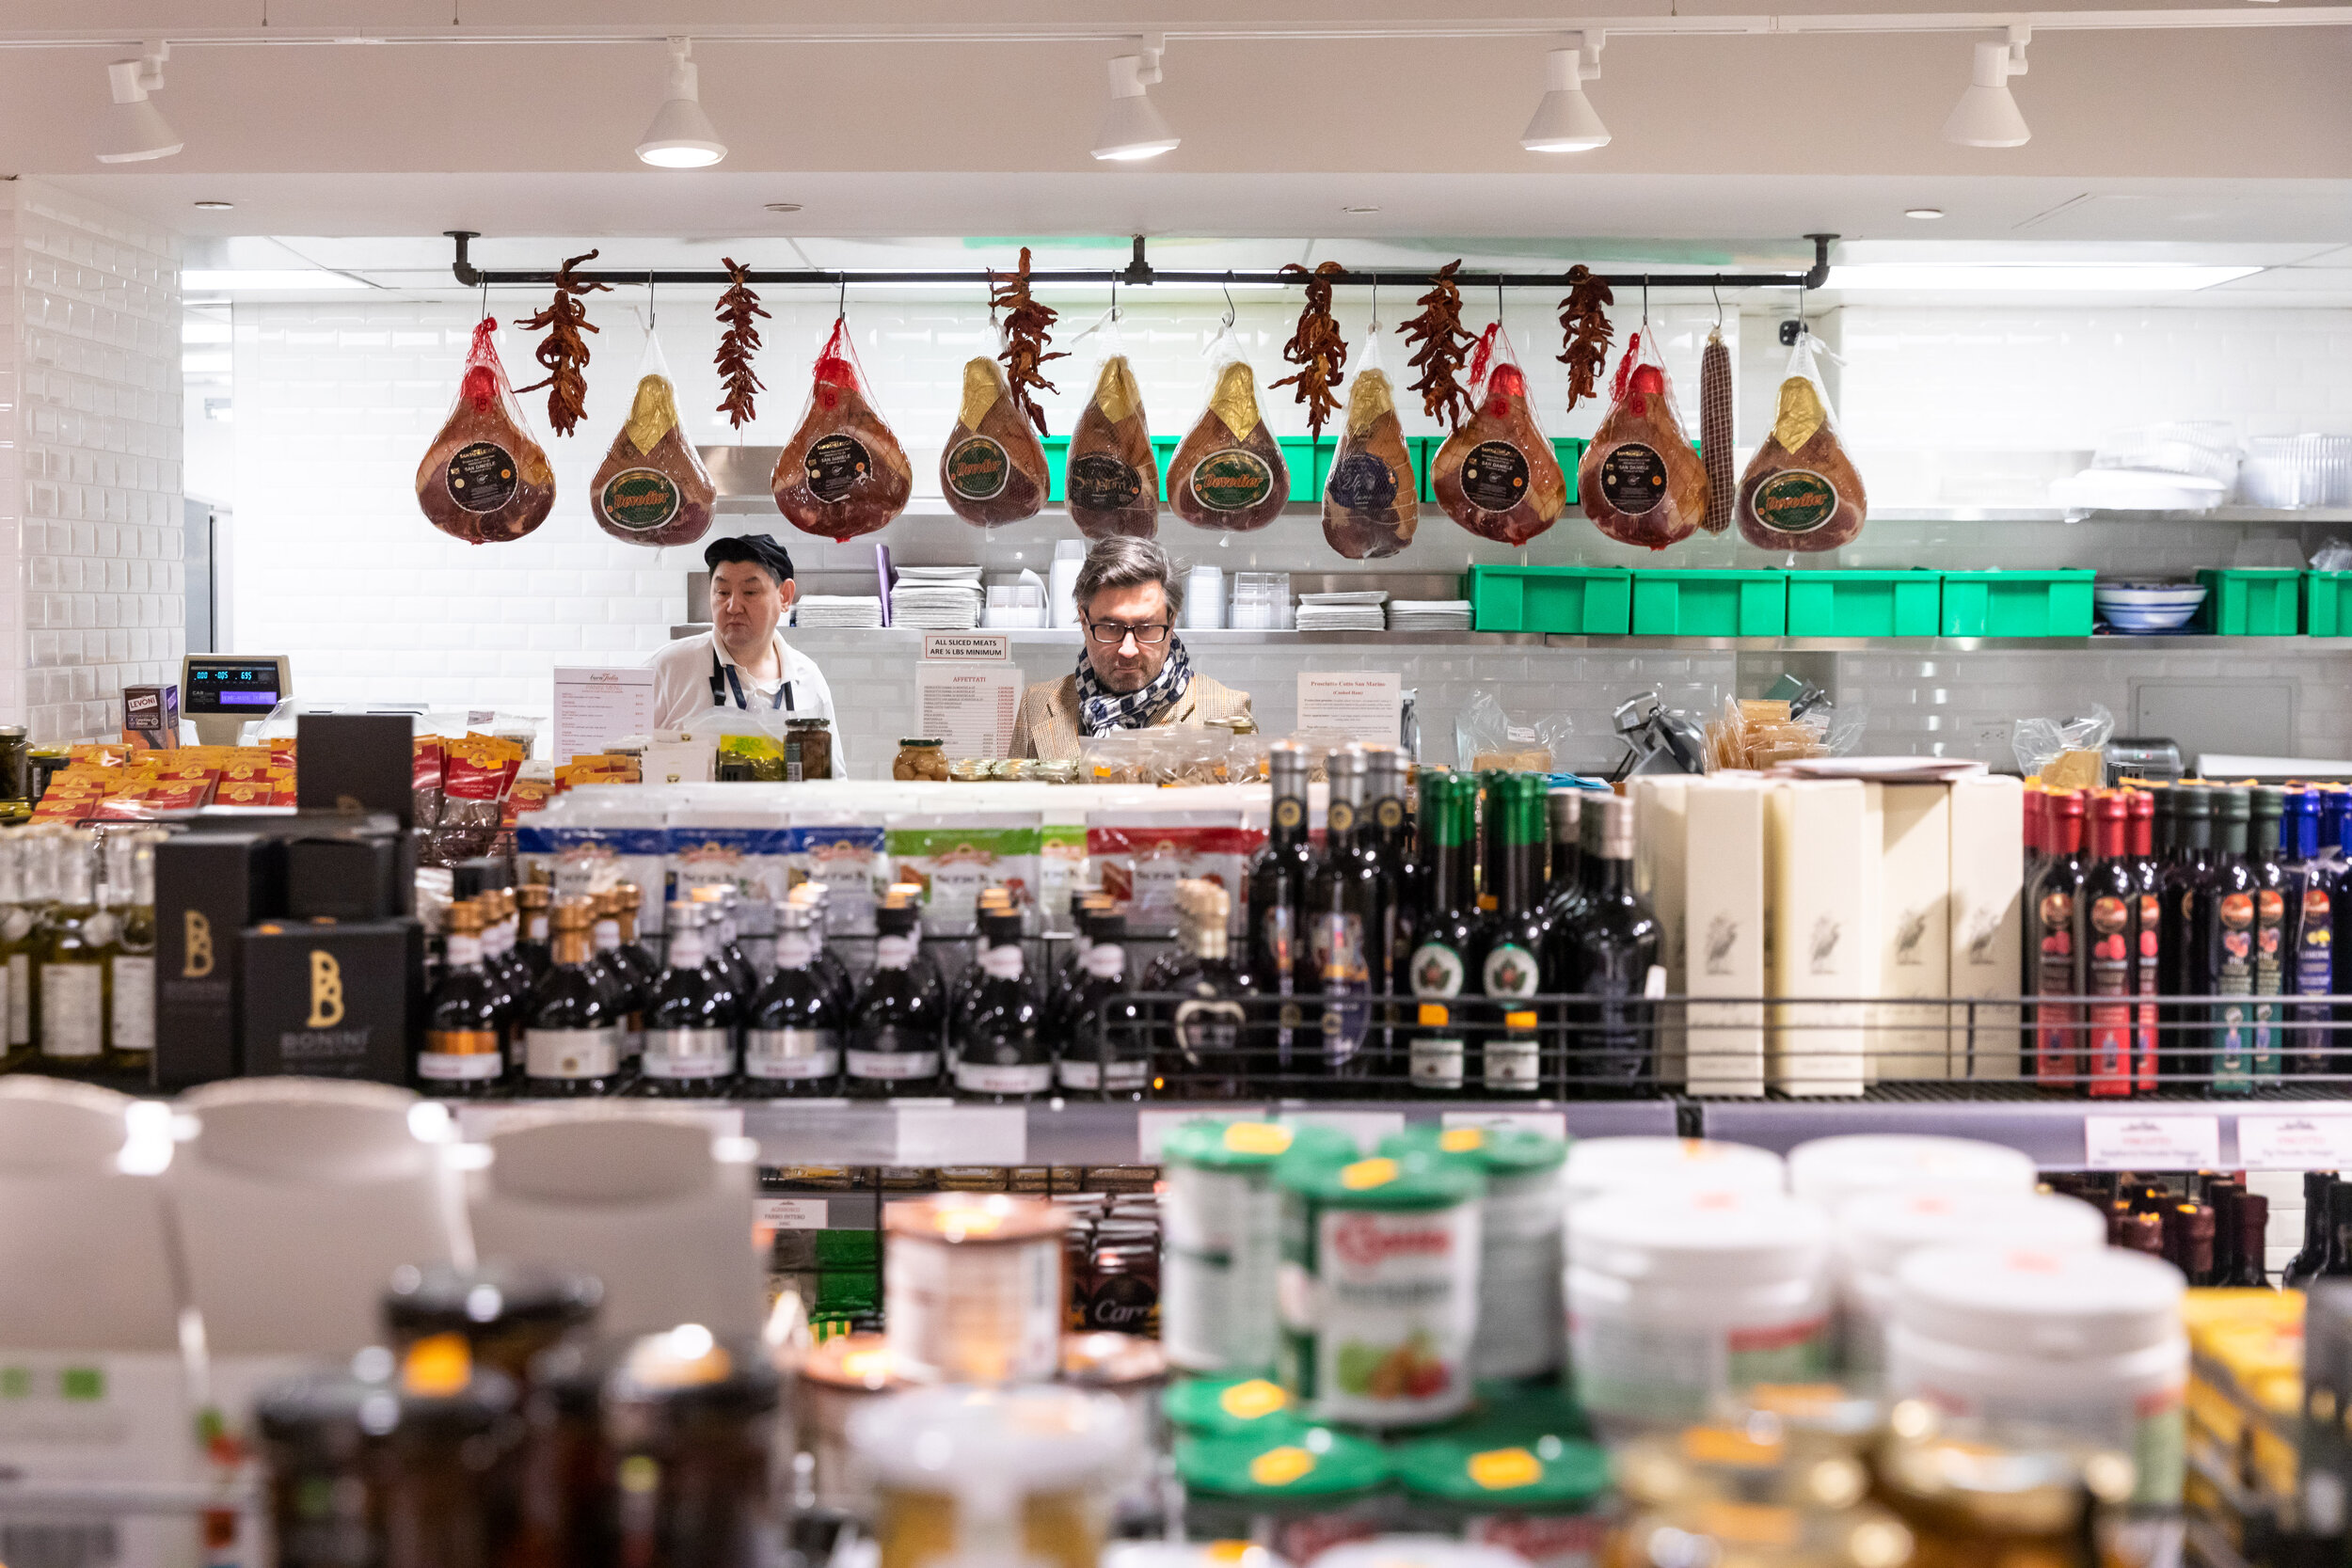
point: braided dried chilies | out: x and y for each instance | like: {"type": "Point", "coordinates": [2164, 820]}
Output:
{"type": "Point", "coordinates": [1316, 348]}
{"type": "Point", "coordinates": [739, 308]}
{"type": "Point", "coordinates": [564, 352]}
{"type": "Point", "coordinates": [1027, 329]}
{"type": "Point", "coordinates": [1584, 323]}
{"type": "Point", "coordinates": [1440, 348]}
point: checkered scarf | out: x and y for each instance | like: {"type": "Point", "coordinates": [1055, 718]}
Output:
{"type": "Point", "coordinates": [1100, 709]}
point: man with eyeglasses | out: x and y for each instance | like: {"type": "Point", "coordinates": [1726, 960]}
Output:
{"type": "Point", "coordinates": [1133, 671]}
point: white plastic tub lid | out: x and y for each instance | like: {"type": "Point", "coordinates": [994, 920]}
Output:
{"type": "Point", "coordinates": [1598, 1165]}
{"type": "Point", "coordinates": [995, 1442]}
{"type": "Point", "coordinates": [1729, 1236]}
{"type": "Point", "coordinates": [1878, 1231]}
{"type": "Point", "coordinates": [1417, 1551]}
{"type": "Point", "coordinates": [2037, 1303]}
{"type": "Point", "coordinates": [1830, 1170]}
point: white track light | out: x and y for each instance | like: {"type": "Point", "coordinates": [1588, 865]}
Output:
{"type": "Point", "coordinates": [134, 130]}
{"type": "Point", "coordinates": [1131, 127]}
{"type": "Point", "coordinates": [681, 136]}
{"type": "Point", "coordinates": [1565, 121]}
{"type": "Point", "coordinates": [1987, 113]}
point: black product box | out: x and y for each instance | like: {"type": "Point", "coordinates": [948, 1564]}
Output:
{"type": "Point", "coordinates": [349, 877]}
{"type": "Point", "coordinates": [355, 761]}
{"type": "Point", "coordinates": [210, 885]}
{"type": "Point", "coordinates": [329, 999]}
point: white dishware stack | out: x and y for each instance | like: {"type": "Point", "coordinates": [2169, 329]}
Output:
{"type": "Point", "coordinates": [1204, 598]}
{"type": "Point", "coordinates": [1061, 579]}
{"type": "Point", "coordinates": [936, 598]}
{"type": "Point", "coordinates": [1429, 615]}
{"type": "Point", "coordinates": [1357, 610]}
{"type": "Point", "coordinates": [860, 611]}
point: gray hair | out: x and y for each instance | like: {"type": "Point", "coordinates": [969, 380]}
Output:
{"type": "Point", "coordinates": [1124, 562]}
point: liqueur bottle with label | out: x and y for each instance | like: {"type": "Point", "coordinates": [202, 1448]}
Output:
{"type": "Point", "coordinates": [895, 1042]}
{"type": "Point", "coordinates": [1342, 916]}
{"type": "Point", "coordinates": [531, 943]}
{"type": "Point", "coordinates": [2150, 812]}
{"type": "Point", "coordinates": [1438, 969]}
{"type": "Point", "coordinates": [1565, 889]}
{"type": "Point", "coordinates": [2252, 1231]}
{"type": "Point", "coordinates": [1106, 1043]}
{"type": "Point", "coordinates": [572, 1033]}
{"type": "Point", "coordinates": [2189, 876]}
{"type": "Point", "coordinates": [77, 942]}
{"type": "Point", "coordinates": [1381, 846]}
{"type": "Point", "coordinates": [2274, 881]}
{"type": "Point", "coordinates": [22, 931]}
{"type": "Point", "coordinates": [792, 1040]}
{"type": "Point", "coordinates": [627, 1002]}
{"type": "Point", "coordinates": [2300, 1270]}
{"type": "Point", "coordinates": [464, 1055]}
{"type": "Point", "coordinates": [2313, 884]}
{"type": "Point", "coordinates": [1059, 1016]}
{"type": "Point", "coordinates": [828, 964]}
{"type": "Point", "coordinates": [1605, 953]}
{"type": "Point", "coordinates": [1207, 1024]}
{"type": "Point", "coordinates": [131, 985]}
{"type": "Point", "coordinates": [2055, 918]}
{"type": "Point", "coordinates": [1277, 908]}
{"type": "Point", "coordinates": [507, 925]}
{"type": "Point", "coordinates": [1507, 1057]}
{"type": "Point", "coordinates": [635, 958]}
{"type": "Point", "coordinates": [689, 1023]}
{"type": "Point", "coordinates": [1004, 1058]}
{"type": "Point", "coordinates": [2111, 900]}
{"type": "Point", "coordinates": [2224, 944]}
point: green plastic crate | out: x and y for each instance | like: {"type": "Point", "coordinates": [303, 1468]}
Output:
{"type": "Point", "coordinates": [1864, 604]}
{"type": "Point", "coordinates": [1676, 603]}
{"type": "Point", "coordinates": [1594, 601]}
{"type": "Point", "coordinates": [2018, 604]}
{"type": "Point", "coordinates": [2252, 601]}
{"type": "Point", "coordinates": [2328, 604]}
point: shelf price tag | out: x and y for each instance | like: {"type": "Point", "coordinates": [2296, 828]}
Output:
{"type": "Point", "coordinates": [2295, 1142]}
{"type": "Point", "coordinates": [790, 1214]}
{"type": "Point", "coordinates": [2151, 1143]}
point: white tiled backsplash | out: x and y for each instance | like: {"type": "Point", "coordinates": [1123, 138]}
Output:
{"type": "Point", "coordinates": [336, 402]}
{"type": "Point", "coordinates": [92, 595]}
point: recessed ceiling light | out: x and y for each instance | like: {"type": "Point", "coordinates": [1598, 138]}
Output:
{"type": "Point", "coordinates": [213, 206]}
{"type": "Point", "coordinates": [1360, 209]}
{"type": "Point", "coordinates": [1923, 212]}
{"type": "Point", "coordinates": [783, 206]}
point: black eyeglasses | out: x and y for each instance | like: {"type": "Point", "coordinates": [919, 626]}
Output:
{"type": "Point", "coordinates": [1150, 635]}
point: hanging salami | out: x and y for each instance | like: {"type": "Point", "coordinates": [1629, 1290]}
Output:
{"type": "Point", "coordinates": [1369, 508]}
{"type": "Point", "coordinates": [1227, 473]}
{"type": "Point", "coordinates": [1639, 480]}
{"type": "Point", "coordinates": [993, 468]}
{"type": "Point", "coordinates": [1496, 475]}
{"type": "Point", "coordinates": [485, 479]}
{"type": "Point", "coordinates": [1113, 482]}
{"type": "Point", "coordinates": [1715, 433]}
{"type": "Point", "coordinates": [1801, 491]}
{"type": "Point", "coordinates": [652, 487]}
{"type": "Point", "coordinates": [843, 473]}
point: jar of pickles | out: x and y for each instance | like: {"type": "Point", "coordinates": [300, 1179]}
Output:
{"type": "Point", "coordinates": [920, 759]}
{"type": "Point", "coordinates": [807, 748]}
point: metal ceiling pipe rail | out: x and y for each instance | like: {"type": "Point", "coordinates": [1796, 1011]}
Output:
{"type": "Point", "coordinates": [1139, 273]}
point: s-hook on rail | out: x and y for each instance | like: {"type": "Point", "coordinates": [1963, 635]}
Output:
{"type": "Point", "coordinates": [1139, 273]}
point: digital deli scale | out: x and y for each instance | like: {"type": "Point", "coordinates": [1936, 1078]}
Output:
{"type": "Point", "coordinates": [220, 692]}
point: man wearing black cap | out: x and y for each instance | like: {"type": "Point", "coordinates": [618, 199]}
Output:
{"type": "Point", "coordinates": [741, 662]}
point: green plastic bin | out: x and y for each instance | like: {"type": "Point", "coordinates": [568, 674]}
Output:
{"type": "Point", "coordinates": [2018, 604]}
{"type": "Point", "coordinates": [1676, 603]}
{"type": "Point", "coordinates": [1057, 459]}
{"type": "Point", "coordinates": [2328, 604]}
{"type": "Point", "coordinates": [1864, 604]}
{"type": "Point", "coordinates": [1594, 601]}
{"type": "Point", "coordinates": [2252, 601]}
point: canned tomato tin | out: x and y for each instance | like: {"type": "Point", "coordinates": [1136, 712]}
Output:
{"type": "Point", "coordinates": [1229, 1407]}
{"type": "Point", "coordinates": [973, 1288]}
{"type": "Point", "coordinates": [1523, 1319]}
{"type": "Point", "coordinates": [1221, 1224]}
{"type": "Point", "coordinates": [1378, 1291]}
{"type": "Point", "coordinates": [1491, 1485]}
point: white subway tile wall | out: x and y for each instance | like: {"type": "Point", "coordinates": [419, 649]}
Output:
{"type": "Point", "coordinates": [89, 462]}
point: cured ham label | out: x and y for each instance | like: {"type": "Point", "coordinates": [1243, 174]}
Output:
{"type": "Point", "coordinates": [1102, 482]}
{"type": "Point", "coordinates": [1494, 476]}
{"type": "Point", "coordinates": [834, 464]}
{"type": "Point", "coordinates": [1796, 500]}
{"type": "Point", "coordinates": [1362, 482]}
{"type": "Point", "coordinates": [482, 477]}
{"type": "Point", "coordinates": [977, 468]}
{"type": "Point", "coordinates": [1231, 480]}
{"type": "Point", "coordinates": [1634, 478]}
{"type": "Point", "coordinates": [639, 499]}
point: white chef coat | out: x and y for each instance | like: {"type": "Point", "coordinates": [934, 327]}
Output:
{"type": "Point", "coordinates": [681, 686]}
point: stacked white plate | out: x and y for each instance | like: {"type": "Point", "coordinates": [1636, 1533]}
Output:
{"type": "Point", "coordinates": [1429, 615]}
{"type": "Point", "coordinates": [838, 609]}
{"type": "Point", "coordinates": [1356, 611]}
{"type": "Point", "coordinates": [936, 598]}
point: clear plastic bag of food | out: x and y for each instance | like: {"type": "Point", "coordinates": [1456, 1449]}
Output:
{"type": "Point", "coordinates": [652, 487]}
{"type": "Point", "coordinates": [485, 478]}
{"type": "Point", "coordinates": [843, 473]}
{"type": "Point", "coordinates": [993, 468]}
{"type": "Point", "coordinates": [1498, 475]}
{"type": "Point", "coordinates": [1370, 507]}
{"type": "Point", "coordinates": [1227, 473]}
{"type": "Point", "coordinates": [1641, 482]}
{"type": "Point", "coordinates": [1485, 736]}
{"type": "Point", "coordinates": [1112, 483]}
{"type": "Point", "coordinates": [1801, 491]}
{"type": "Point", "coordinates": [2040, 743]}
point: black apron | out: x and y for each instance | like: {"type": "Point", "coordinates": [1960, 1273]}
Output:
{"type": "Point", "coordinates": [723, 680]}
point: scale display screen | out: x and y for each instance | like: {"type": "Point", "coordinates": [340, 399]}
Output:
{"type": "Point", "coordinates": [247, 687]}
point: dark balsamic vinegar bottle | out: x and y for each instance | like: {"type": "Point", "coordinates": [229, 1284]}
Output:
{"type": "Point", "coordinates": [1206, 1028]}
{"type": "Point", "coordinates": [895, 1040]}
{"type": "Point", "coordinates": [1565, 887]}
{"type": "Point", "coordinates": [2304, 1266]}
{"type": "Point", "coordinates": [2188, 888]}
{"type": "Point", "coordinates": [2274, 880]}
{"type": "Point", "coordinates": [2152, 838]}
{"type": "Point", "coordinates": [2314, 887]}
{"type": "Point", "coordinates": [1106, 1042]}
{"type": "Point", "coordinates": [1277, 956]}
{"type": "Point", "coordinates": [2055, 917]}
{"type": "Point", "coordinates": [793, 1038]}
{"type": "Point", "coordinates": [2252, 1231]}
{"type": "Point", "coordinates": [2110, 896]}
{"type": "Point", "coordinates": [1438, 969]}
{"type": "Point", "coordinates": [464, 1049]}
{"type": "Point", "coordinates": [2223, 945]}
{"type": "Point", "coordinates": [1341, 914]}
{"type": "Point", "coordinates": [690, 1022]}
{"type": "Point", "coordinates": [1383, 846]}
{"type": "Point", "coordinates": [1004, 1058]}
{"type": "Point", "coordinates": [1605, 953]}
{"type": "Point", "coordinates": [572, 1035]}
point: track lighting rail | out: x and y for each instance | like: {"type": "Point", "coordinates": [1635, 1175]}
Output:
{"type": "Point", "coordinates": [1139, 273]}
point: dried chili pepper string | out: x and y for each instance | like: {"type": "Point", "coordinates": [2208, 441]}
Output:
{"type": "Point", "coordinates": [736, 345]}
{"type": "Point", "coordinates": [564, 352]}
{"type": "Point", "coordinates": [1027, 333]}
{"type": "Point", "coordinates": [1586, 325]}
{"type": "Point", "coordinates": [1437, 332]}
{"type": "Point", "coordinates": [1316, 348]}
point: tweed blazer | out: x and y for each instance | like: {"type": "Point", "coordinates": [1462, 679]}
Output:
{"type": "Point", "coordinates": [1047, 725]}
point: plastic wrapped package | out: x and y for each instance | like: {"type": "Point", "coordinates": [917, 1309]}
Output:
{"type": "Point", "coordinates": [1113, 481]}
{"type": "Point", "coordinates": [2040, 746]}
{"type": "Point", "coordinates": [1639, 480]}
{"type": "Point", "coordinates": [1758, 733]}
{"type": "Point", "coordinates": [485, 478]}
{"type": "Point", "coordinates": [1484, 736]}
{"type": "Point", "coordinates": [993, 468]}
{"type": "Point", "coordinates": [652, 487]}
{"type": "Point", "coordinates": [1227, 473]}
{"type": "Point", "coordinates": [843, 473]}
{"type": "Point", "coordinates": [1801, 491]}
{"type": "Point", "coordinates": [1369, 504]}
{"type": "Point", "coordinates": [1496, 475]}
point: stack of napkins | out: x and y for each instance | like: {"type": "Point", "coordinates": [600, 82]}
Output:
{"type": "Point", "coordinates": [1352, 612]}
{"type": "Point", "coordinates": [838, 609]}
{"type": "Point", "coordinates": [1429, 615]}
{"type": "Point", "coordinates": [936, 598]}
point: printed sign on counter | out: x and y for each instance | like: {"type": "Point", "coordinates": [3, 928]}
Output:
{"type": "Point", "coordinates": [790, 1214]}
{"type": "Point", "coordinates": [968, 647]}
{"type": "Point", "coordinates": [969, 706]}
{"type": "Point", "coordinates": [1367, 707]}
{"type": "Point", "coordinates": [2294, 1143]}
{"type": "Point", "coordinates": [595, 706]}
{"type": "Point", "coordinates": [2151, 1143]}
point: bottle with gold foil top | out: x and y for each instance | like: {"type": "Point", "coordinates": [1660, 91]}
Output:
{"type": "Point", "coordinates": [77, 940]}
{"type": "Point", "coordinates": [464, 1055]}
{"type": "Point", "coordinates": [530, 938]}
{"type": "Point", "coordinates": [129, 891]}
{"type": "Point", "coordinates": [572, 1038]}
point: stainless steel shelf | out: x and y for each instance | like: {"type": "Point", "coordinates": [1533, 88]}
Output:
{"type": "Point", "coordinates": [2051, 1130]}
{"type": "Point", "coordinates": [909, 636]}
